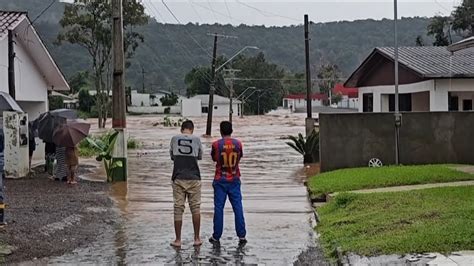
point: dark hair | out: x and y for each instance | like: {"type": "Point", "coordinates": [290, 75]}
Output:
{"type": "Point", "coordinates": [188, 124]}
{"type": "Point", "coordinates": [226, 128]}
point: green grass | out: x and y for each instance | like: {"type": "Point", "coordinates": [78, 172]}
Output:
{"type": "Point", "coordinates": [430, 220]}
{"type": "Point", "coordinates": [364, 178]}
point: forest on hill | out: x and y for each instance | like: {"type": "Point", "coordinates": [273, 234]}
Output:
{"type": "Point", "coordinates": [170, 51]}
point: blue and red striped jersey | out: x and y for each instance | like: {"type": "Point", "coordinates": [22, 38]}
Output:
{"type": "Point", "coordinates": [227, 153]}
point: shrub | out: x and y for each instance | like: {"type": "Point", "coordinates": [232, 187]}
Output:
{"type": "Point", "coordinates": [308, 147]}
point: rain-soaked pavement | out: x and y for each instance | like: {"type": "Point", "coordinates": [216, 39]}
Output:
{"type": "Point", "coordinates": [278, 216]}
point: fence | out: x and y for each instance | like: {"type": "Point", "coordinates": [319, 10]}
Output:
{"type": "Point", "coordinates": [351, 140]}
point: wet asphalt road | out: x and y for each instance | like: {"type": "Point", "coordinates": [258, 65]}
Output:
{"type": "Point", "coordinates": [278, 216]}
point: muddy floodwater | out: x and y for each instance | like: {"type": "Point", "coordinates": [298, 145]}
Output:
{"type": "Point", "coordinates": [278, 216]}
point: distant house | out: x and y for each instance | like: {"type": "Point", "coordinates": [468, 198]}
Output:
{"type": "Point", "coordinates": [35, 72]}
{"type": "Point", "coordinates": [349, 96]}
{"type": "Point", "coordinates": [221, 105]}
{"type": "Point", "coordinates": [431, 79]}
{"type": "Point", "coordinates": [297, 102]}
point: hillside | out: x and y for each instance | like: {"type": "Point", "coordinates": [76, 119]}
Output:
{"type": "Point", "coordinates": [169, 52]}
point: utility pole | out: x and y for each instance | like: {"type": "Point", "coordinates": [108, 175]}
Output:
{"type": "Point", "coordinates": [231, 90]}
{"type": "Point", "coordinates": [143, 79]}
{"type": "Point", "coordinates": [11, 65]}
{"type": "Point", "coordinates": [398, 116]}
{"type": "Point", "coordinates": [118, 93]}
{"type": "Point", "coordinates": [212, 90]}
{"type": "Point", "coordinates": [309, 109]}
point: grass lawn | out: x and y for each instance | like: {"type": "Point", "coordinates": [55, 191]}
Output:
{"type": "Point", "coordinates": [389, 176]}
{"type": "Point", "coordinates": [429, 220]}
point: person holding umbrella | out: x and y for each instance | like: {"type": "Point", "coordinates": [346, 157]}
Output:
{"type": "Point", "coordinates": [69, 135]}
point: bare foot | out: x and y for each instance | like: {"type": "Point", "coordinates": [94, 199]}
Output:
{"type": "Point", "coordinates": [176, 244]}
{"type": "Point", "coordinates": [197, 242]}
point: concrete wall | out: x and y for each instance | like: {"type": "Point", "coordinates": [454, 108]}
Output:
{"type": "Point", "coordinates": [140, 99]}
{"type": "Point", "coordinates": [223, 109]}
{"type": "Point", "coordinates": [191, 108]}
{"type": "Point", "coordinates": [153, 109]}
{"type": "Point", "coordinates": [351, 140]}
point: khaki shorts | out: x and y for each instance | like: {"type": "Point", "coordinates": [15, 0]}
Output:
{"type": "Point", "coordinates": [182, 189]}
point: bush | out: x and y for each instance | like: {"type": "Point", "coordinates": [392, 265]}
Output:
{"type": "Point", "coordinates": [88, 150]}
{"type": "Point", "coordinates": [167, 110]}
{"type": "Point", "coordinates": [55, 102]}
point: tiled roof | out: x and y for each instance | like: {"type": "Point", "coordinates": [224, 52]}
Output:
{"type": "Point", "coordinates": [8, 19]}
{"type": "Point", "coordinates": [302, 96]}
{"type": "Point", "coordinates": [434, 62]}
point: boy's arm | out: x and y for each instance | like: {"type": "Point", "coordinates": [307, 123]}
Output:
{"type": "Point", "coordinates": [200, 150]}
{"type": "Point", "coordinates": [214, 151]}
{"type": "Point", "coordinates": [171, 148]}
{"type": "Point", "coordinates": [241, 149]}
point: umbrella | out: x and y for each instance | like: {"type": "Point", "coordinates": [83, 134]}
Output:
{"type": "Point", "coordinates": [7, 103]}
{"type": "Point", "coordinates": [50, 121]}
{"type": "Point", "coordinates": [71, 133]}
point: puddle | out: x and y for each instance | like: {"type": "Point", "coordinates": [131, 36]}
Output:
{"type": "Point", "coordinates": [278, 216]}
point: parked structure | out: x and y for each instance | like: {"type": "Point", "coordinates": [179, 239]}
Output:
{"type": "Point", "coordinates": [431, 79]}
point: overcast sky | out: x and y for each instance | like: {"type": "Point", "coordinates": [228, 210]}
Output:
{"type": "Point", "coordinates": [270, 13]}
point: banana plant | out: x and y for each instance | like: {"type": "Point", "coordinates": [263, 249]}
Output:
{"type": "Point", "coordinates": [105, 148]}
{"type": "Point", "coordinates": [308, 147]}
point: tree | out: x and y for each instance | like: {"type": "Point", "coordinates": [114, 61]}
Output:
{"type": "Point", "coordinates": [169, 99]}
{"type": "Point", "coordinates": [439, 27]}
{"type": "Point", "coordinates": [88, 24]}
{"type": "Point", "coordinates": [328, 75]}
{"type": "Point", "coordinates": [419, 41]}
{"type": "Point", "coordinates": [463, 18]}
{"type": "Point", "coordinates": [55, 102]}
{"type": "Point", "coordinates": [79, 81]}
{"type": "Point", "coordinates": [198, 80]}
{"type": "Point", "coordinates": [86, 101]}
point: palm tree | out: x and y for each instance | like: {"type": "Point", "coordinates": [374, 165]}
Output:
{"type": "Point", "coordinates": [308, 147]}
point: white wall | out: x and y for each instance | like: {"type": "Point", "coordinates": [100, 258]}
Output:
{"type": "Point", "coordinates": [380, 101]}
{"type": "Point", "coordinates": [139, 98]}
{"type": "Point", "coordinates": [4, 65]}
{"type": "Point", "coordinates": [153, 109]}
{"type": "Point", "coordinates": [346, 102]}
{"type": "Point", "coordinates": [29, 82]}
{"type": "Point", "coordinates": [191, 107]}
{"type": "Point", "coordinates": [223, 109]}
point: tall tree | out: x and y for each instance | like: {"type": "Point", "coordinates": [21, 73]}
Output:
{"type": "Point", "coordinates": [88, 24]}
{"type": "Point", "coordinates": [419, 41]}
{"type": "Point", "coordinates": [463, 18]}
{"type": "Point", "coordinates": [78, 81]}
{"type": "Point", "coordinates": [439, 28]}
{"type": "Point", "coordinates": [328, 75]}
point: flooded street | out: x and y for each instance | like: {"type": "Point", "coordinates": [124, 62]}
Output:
{"type": "Point", "coordinates": [278, 216]}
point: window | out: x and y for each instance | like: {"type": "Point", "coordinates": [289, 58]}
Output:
{"type": "Point", "coordinates": [215, 107]}
{"type": "Point", "coordinates": [467, 105]}
{"type": "Point", "coordinates": [404, 102]}
{"type": "Point", "coordinates": [367, 102]}
{"type": "Point", "coordinates": [453, 104]}
{"type": "Point", "coordinates": [205, 109]}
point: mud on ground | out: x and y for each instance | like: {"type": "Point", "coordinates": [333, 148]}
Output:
{"type": "Point", "coordinates": [50, 218]}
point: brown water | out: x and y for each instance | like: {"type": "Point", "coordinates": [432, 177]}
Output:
{"type": "Point", "coordinates": [278, 216]}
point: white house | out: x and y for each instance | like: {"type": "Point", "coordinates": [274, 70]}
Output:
{"type": "Point", "coordinates": [34, 71]}
{"type": "Point", "coordinates": [430, 78]}
{"type": "Point", "coordinates": [221, 105]}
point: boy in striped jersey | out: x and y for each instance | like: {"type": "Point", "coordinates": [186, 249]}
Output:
{"type": "Point", "coordinates": [227, 153]}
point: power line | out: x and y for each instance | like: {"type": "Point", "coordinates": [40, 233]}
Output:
{"type": "Point", "coordinates": [189, 34]}
{"type": "Point", "coordinates": [44, 11]}
{"type": "Point", "coordinates": [213, 13]}
{"type": "Point", "coordinates": [266, 13]}
{"type": "Point", "coordinates": [183, 48]}
{"type": "Point", "coordinates": [195, 10]}
{"type": "Point", "coordinates": [227, 7]}
{"type": "Point", "coordinates": [442, 6]}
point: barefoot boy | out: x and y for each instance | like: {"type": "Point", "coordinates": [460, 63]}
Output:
{"type": "Point", "coordinates": [185, 152]}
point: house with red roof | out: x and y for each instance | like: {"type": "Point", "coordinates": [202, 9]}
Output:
{"type": "Point", "coordinates": [349, 96]}
{"type": "Point", "coordinates": [297, 102]}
